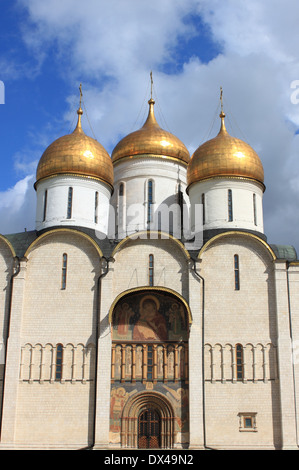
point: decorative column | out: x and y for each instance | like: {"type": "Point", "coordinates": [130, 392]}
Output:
{"type": "Point", "coordinates": [13, 358]}
{"type": "Point", "coordinates": [285, 358]}
{"type": "Point", "coordinates": [102, 405]}
{"type": "Point", "coordinates": [293, 280]}
{"type": "Point", "coordinates": [196, 398]}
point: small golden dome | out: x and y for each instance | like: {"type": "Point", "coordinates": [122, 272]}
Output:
{"type": "Point", "coordinates": [151, 140]}
{"type": "Point", "coordinates": [76, 154]}
{"type": "Point", "coordinates": [224, 156]}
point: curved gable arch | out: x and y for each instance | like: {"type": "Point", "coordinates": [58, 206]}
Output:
{"type": "Point", "coordinates": [239, 234]}
{"type": "Point", "coordinates": [7, 242]}
{"type": "Point", "coordinates": [145, 235]}
{"type": "Point", "coordinates": [61, 230]}
{"type": "Point", "coordinates": [150, 289]}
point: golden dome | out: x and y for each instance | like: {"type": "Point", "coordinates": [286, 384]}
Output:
{"type": "Point", "coordinates": [151, 140]}
{"type": "Point", "coordinates": [224, 156]}
{"type": "Point", "coordinates": [76, 154]}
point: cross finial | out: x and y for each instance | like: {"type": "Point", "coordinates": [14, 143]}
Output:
{"type": "Point", "coordinates": [222, 114]}
{"type": "Point", "coordinates": [151, 74]}
{"type": "Point", "coordinates": [221, 98]}
{"type": "Point", "coordinates": [81, 94]}
{"type": "Point", "coordinates": [79, 111]}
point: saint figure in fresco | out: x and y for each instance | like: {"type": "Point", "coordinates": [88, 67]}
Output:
{"type": "Point", "coordinates": [176, 318]}
{"type": "Point", "coordinates": [151, 324]}
{"type": "Point", "coordinates": [123, 314]}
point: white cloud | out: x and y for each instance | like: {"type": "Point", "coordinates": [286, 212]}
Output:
{"type": "Point", "coordinates": [17, 207]}
{"type": "Point", "coordinates": [268, 27]}
{"type": "Point", "coordinates": [112, 37]}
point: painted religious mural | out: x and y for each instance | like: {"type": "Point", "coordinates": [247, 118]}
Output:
{"type": "Point", "coordinates": [150, 317]}
{"type": "Point", "coordinates": [150, 353]}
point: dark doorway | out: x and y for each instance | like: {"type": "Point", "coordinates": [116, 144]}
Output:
{"type": "Point", "coordinates": [149, 429]}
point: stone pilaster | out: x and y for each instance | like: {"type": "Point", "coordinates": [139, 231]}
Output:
{"type": "Point", "coordinates": [12, 368]}
{"type": "Point", "coordinates": [102, 423]}
{"type": "Point", "coordinates": [285, 358]}
{"type": "Point", "coordinates": [196, 411]}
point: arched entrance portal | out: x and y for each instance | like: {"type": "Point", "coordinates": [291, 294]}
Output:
{"type": "Point", "coordinates": [147, 422]}
{"type": "Point", "coordinates": [149, 370]}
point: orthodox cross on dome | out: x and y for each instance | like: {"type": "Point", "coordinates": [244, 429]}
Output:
{"type": "Point", "coordinates": [151, 74]}
{"type": "Point", "coordinates": [222, 114]}
{"type": "Point", "coordinates": [81, 94]}
{"type": "Point", "coordinates": [80, 110]}
{"type": "Point", "coordinates": [151, 102]}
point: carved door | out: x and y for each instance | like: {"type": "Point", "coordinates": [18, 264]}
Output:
{"type": "Point", "coordinates": [149, 429]}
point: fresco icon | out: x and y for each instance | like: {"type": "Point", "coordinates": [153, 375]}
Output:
{"type": "Point", "coordinates": [150, 317]}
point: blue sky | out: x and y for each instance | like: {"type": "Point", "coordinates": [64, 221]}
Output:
{"type": "Point", "coordinates": [193, 47]}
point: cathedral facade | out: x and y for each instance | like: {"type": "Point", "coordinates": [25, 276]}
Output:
{"type": "Point", "coordinates": [147, 309]}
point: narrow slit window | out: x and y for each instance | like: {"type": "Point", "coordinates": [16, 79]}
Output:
{"type": "Point", "coordinates": [230, 205]}
{"type": "Point", "coordinates": [237, 272]}
{"type": "Point", "coordinates": [151, 270]}
{"type": "Point", "coordinates": [203, 209]}
{"type": "Point", "coordinates": [120, 209]}
{"type": "Point", "coordinates": [70, 203]}
{"type": "Point", "coordinates": [239, 362]}
{"type": "Point", "coordinates": [96, 205]}
{"type": "Point", "coordinates": [58, 363]}
{"type": "Point", "coordinates": [149, 201]}
{"type": "Point", "coordinates": [254, 210]}
{"type": "Point", "coordinates": [64, 271]}
{"type": "Point", "coordinates": [45, 205]}
{"type": "Point", "coordinates": [181, 206]}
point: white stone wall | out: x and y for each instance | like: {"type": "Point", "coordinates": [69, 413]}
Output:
{"type": "Point", "coordinates": [6, 270]}
{"type": "Point", "coordinates": [293, 282]}
{"type": "Point", "coordinates": [135, 174]}
{"type": "Point", "coordinates": [131, 267]}
{"type": "Point", "coordinates": [51, 313]}
{"type": "Point", "coordinates": [247, 317]}
{"type": "Point", "coordinates": [216, 204]}
{"type": "Point", "coordinates": [286, 357]}
{"type": "Point", "coordinates": [42, 412]}
{"type": "Point", "coordinates": [60, 412]}
{"type": "Point", "coordinates": [225, 402]}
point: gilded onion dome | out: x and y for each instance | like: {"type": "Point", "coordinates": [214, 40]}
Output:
{"type": "Point", "coordinates": [224, 155]}
{"type": "Point", "coordinates": [151, 140]}
{"type": "Point", "coordinates": [76, 154]}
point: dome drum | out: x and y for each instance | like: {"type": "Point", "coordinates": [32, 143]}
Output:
{"type": "Point", "coordinates": [227, 203]}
